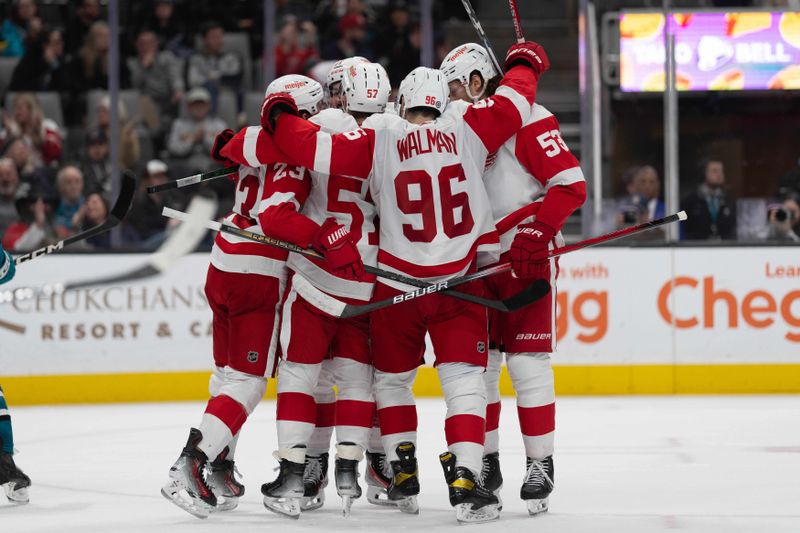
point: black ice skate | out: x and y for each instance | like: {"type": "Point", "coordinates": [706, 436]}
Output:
{"type": "Point", "coordinates": [404, 487]}
{"type": "Point", "coordinates": [13, 479]}
{"type": "Point", "coordinates": [538, 484]}
{"type": "Point", "coordinates": [221, 478]}
{"type": "Point", "coordinates": [345, 474]}
{"type": "Point", "coordinates": [491, 476]}
{"type": "Point", "coordinates": [377, 480]}
{"type": "Point", "coordinates": [285, 494]}
{"type": "Point", "coordinates": [315, 479]}
{"type": "Point", "coordinates": [473, 503]}
{"type": "Point", "coordinates": [187, 487]}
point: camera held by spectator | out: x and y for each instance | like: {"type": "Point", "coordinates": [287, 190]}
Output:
{"type": "Point", "coordinates": [782, 217]}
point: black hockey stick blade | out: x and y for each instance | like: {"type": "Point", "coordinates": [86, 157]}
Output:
{"type": "Point", "coordinates": [116, 215]}
{"type": "Point", "coordinates": [191, 180]}
{"type": "Point", "coordinates": [535, 291]}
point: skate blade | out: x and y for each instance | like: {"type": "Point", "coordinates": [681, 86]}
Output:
{"type": "Point", "coordinates": [347, 502]}
{"type": "Point", "coordinates": [226, 504]}
{"type": "Point", "coordinates": [408, 505]}
{"type": "Point", "coordinates": [312, 503]}
{"type": "Point", "coordinates": [288, 507]}
{"type": "Point", "coordinates": [17, 496]}
{"type": "Point", "coordinates": [198, 509]}
{"type": "Point", "coordinates": [538, 506]}
{"type": "Point", "coordinates": [377, 496]}
{"type": "Point", "coordinates": [465, 514]}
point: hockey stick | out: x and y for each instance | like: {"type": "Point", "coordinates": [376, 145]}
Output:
{"type": "Point", "coordinates": [482, 34]}
{"type": "Point", "coordinates": [180, 242]}
{"type": "Point", "coordinates": [512, 5]}
{"type": "Point", "coordinates": [191, 180]}
{"type": "Point", "coordinates": [118, 212]}
{"type": "Point", "coordinates": [507, 305]}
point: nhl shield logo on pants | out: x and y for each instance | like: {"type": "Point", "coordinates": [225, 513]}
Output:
{"type": "Point", "coordinates": [252, 356]}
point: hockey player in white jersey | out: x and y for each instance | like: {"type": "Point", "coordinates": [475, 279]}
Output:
{"type": "Point", "coordinates": [425, 173]}
{"type": "Point", "coordinates": [534, 184]}
{"type": "Point", "coordinates": [244, 287]}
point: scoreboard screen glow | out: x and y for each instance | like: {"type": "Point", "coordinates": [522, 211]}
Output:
{"type": "Point", "coordinates": [716, 51]}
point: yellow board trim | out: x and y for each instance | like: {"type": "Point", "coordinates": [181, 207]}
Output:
{"type": "Point", "coordinates": [570, 380]}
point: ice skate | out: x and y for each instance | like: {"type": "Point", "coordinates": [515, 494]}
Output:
{"type": "Point", "coordinates": [377, 480]}
{"type": "Point", "coordinates": [222, 480]}
{"type": "Point", "coordinates": [285, 494]}
{"type": "Point", "coordinates": [347, 487]}
{"type": "Point", "coordinates": [473, 503]}
{"type": "Point", "coordinates": [14, 480]}
{"type": "Point", "coordinates": [187, 488]}
{"type": "Point", "coordinates": [404, 487]}
{"type": "Point", "coordinates": [538, 484]}
{"type": "Point", "coordinates": [491, 476]}
{"type": "Point", "coordinates": [315, 479]}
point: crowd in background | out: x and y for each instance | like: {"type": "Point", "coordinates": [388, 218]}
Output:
{"type": "Point", "coordinates": [190, 68]}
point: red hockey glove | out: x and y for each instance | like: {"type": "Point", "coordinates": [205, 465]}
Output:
{"type": "Point", "coordinates": [336, 244]}
{"type": "Point", "coordinates": [529, 251]}
{"type": "Point", "coordinates": [220, 141]}
{"type": "Point", "coordinates": [529, 54]}
{"type": "Point", "coordinates": [274, 105]}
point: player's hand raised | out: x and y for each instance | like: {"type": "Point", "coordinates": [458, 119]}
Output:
{"type": "Point", "coordinates": [273, 106]}
{"type": "Point", "coordinates": [529, 251]}
{"type": "Point", "coordinates": [336, 243]}
{"type": "Point", "coordinates": [529, 54]}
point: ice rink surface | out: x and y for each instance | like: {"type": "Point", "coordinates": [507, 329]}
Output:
{"type": "Point", "coordinates": [623, 464]}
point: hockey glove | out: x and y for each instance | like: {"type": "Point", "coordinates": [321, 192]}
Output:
{"type": "Point", "coordinates": [274, 105]}
{"type": "Point", "coordinates": [336, 243]}
{"type": "Point", "coordinates": [220, 141]}
{"type": "Point", "coordinates": [529, 249]}
{"type": "Point", "coordinates": [7, 267]}
{"type": "Point", "coordinates": [529, 54]}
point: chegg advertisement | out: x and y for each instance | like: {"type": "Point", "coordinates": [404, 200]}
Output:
{"type": "Point", "coordinates": [687, 305]}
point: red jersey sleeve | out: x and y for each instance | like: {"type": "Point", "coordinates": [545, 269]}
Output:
{"type": "Point", "coordinates": [286, 189]}
{"type": "Point", "coordinates": [544, 154]}
{"type": "Point", "coordinates": [495, 119]}
{"type": "Point", "coordinates": [346, 154]}
{"type": "Point", "coordinates": [252, 147]}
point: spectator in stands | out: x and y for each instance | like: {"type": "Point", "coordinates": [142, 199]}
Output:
{"type": "Point", "coordinates": [9, 190]}
{"type": "Point", "coordinates": [711, 212]}
{"type": "Point", "coordinates": [21, 153]}
{"type": "Point", "coordinates": [94, 211]}
{"type": "Point", "coordinates": [352, 39]}
{"type": "Point", "coordinates": [783, 218]}
{"type": "Point", "coordinates": [33, 227]}
{"type": "Point", "coordinates": [87, 13]}
{"type": "Point", "coordinates": [156, 74]}
{"type": "Point", "coordinates": [96, 164]}
{"type": "Point", "coordinates": [42, 67]}
{"type": "Point", "coordinates": [397, 41]}
{"type": "Point", "coordinates": [29, 123]}
{"type": "Point", "coordinates": [212, 67]}
{"type": "Point", "coordinates": [69, 183]}
{"type": "Point", "coordinates": [642, 203]}
{"type": "Point", "coordinates": [169, 29]}
{"type": "Point", "coordinates": [296, 46]}
{"type": "Point", "coordinates": [89, 68]}
{"type": "Point", "coordinates": [192, 137]}
{"type": "Point", "coordinates": [129, 141]}
{"type": "Point", "coordinates": [22, 26]}
{"type": "Point", "coordinates": [145, 220]}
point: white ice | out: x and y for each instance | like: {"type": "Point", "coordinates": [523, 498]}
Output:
{"type": "Point", "coordinates": [623, 464]}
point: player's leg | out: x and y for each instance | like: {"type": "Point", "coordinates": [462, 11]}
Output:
{"type": "Point", "coordinates": [315, 478]}
{"type": "Point", "coordinates": [460, 342]}
{"type": "Point", "coordinates": [491, 475]}
{"type": "Point", "coordinates": [14, 480]}
{"type": "Point", "coordinates": [355, 404]}
{"type": "Point", "coordinates": [528, 337]}
{"type": "Point", "coordinates": [305, 336]}
{"type": "Point", "coordinates": [379, 473]}
{"type": "Point", "coordinates": [397, 335]}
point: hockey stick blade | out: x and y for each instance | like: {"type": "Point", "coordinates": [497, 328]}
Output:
{"type": "Point", "coordinates": [536, 290]}
{"type": "Point", "coordinates": [116, 215]}
{"type": "Point", "coordinates": [191, 180]}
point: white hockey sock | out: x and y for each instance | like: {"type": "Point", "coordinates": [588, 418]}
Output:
{"type": "Point", "coordinates": [532, 376]}
{"type": "Point", "coordinates": [465, 395]}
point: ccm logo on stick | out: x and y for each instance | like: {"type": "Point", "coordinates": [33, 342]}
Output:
{"type": "Point", "coordinates": [420, 292]}
{"type": "Point", "coordinates": [41, 251]}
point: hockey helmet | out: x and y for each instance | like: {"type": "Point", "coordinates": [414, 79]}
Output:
{"type": "Point", "coordinates": [366, 88]}
{"type": "Point", "coordinates": [463, 60]}
{"type": "Point", "coordinates": [337, 71]}
{"type": "Point", "coordinates": [306, 92]}
{"type": "Point", "coordinates": [423, 87]}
